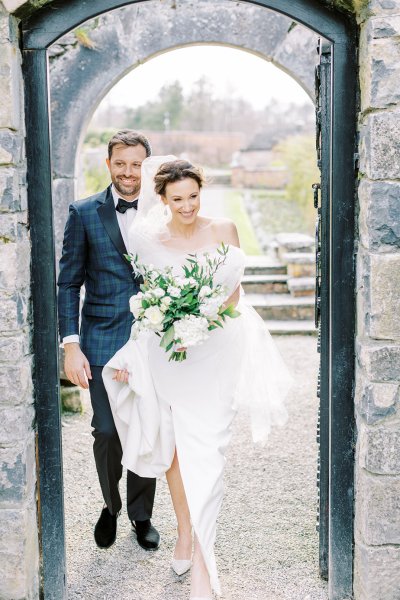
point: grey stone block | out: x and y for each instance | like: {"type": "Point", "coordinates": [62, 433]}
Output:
{"type": "Point", "coordinates": [381, 361]}
{"type": "Point", "coordinates": [379, 448]}
{"type": "Point", "coordinates": [16, 424]}
{"type": "Point", "coordinates": [376, 401]}
{"type": "Point", "coordinates": [14, 312]}
{"type": "Point", "coordinates": [376, 572]}
{"type": "Point", "coordinates": [385, 27]}
{"type": "Point", "coordinates": [17, 472]}
{"type": "Point", "coordinates": [384, 296]}
{"type": "Point", "coordinates": [378, 509]}
{"type": "Point", "coordinates": [379, 59]}
{"type": "Point", "coordinates": [17, 380]}
{"type": "Point", "coordinates": [10, 87]}
{"type": "Point", "coordinates": [380, 145]}
{"type": "Point", "coordinates": [383, 7]}
{"type": "Point", "coordinates": [19, 553]}
{"type": "Point", "coordinates": [14, 266]}
{"type": "Point", "coordinates": [379, 215]}
{"type": "Point", "coordinates": [11, 148]}
{"type": "Point", "coordinates": [10, 200]}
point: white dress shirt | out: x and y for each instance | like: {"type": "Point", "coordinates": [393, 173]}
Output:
{"type": "Point", "coordinates": [124, 221]}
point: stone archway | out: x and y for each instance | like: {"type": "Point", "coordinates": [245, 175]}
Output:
{"type": "Point", "coordinates": [39, 33]}
{"type": "Point", "coordinates": [79, 81]}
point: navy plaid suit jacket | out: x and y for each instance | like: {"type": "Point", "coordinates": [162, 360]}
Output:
{"type": "Point", "coordinates": [92, 255]}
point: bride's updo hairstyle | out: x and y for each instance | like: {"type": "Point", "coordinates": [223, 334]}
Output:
{"type": "Point", "coordinates": [176, 170]}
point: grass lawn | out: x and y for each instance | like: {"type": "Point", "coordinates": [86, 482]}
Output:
{"type": "Point", "coordinates": [235, 210]}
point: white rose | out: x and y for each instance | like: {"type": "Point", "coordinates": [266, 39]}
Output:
{"type": "Point", "coordinates": [166, 300]}
{"type": "Point", "coordinates": [179, 281]}
{"type": "Point", "coordinates": [155, 316]}
{"type": "Point", "coordinates": [158, 292]}
{"type": "Point", "coordinates": [190, 281]}
{"type": "Point", "coordinates": [135, 306]}
{"type": "Point", "coordinates": [205, 291]}
{"type": "Point", "coordinates": [173, 291]}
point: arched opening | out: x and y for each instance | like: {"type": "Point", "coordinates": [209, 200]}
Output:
{"type": "Point", "coordinates": [271, 497]}
{"type": "Point", "coordinates": [339, 241]}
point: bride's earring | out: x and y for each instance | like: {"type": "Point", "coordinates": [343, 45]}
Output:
{"type": "Point", "coordinates": [166, 210]}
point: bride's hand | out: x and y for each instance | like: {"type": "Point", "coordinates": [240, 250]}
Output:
{"type": "Point", "coordinates": [181, 349]}
{"type": "Point", "coordinates": [121, 376]}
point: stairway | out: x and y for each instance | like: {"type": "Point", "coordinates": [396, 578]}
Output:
{"type": "Point", "coordinates": [285, 302]}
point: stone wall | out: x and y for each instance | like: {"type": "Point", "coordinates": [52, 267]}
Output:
{"type": "Point", "coordinates": [377, 508]}
{"type": "Point", "coordinates": [377, 531]}
{"type": "Point", "coordinates": [18, 522]}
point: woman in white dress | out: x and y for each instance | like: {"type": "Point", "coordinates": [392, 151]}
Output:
{"type": "Point", "coordinates": [175, 417]}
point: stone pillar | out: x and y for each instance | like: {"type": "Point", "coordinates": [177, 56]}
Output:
{"type": "Point", "coordinates": [377, 510]}
{"type": "Point", "coordinates": [19, 557]}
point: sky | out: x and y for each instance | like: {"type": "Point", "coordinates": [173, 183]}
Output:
{"type": "Point", "coordinates": [231, 71]}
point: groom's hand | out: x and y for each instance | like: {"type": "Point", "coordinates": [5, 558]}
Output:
{"type": "Point", "coordinates": [76, 365]}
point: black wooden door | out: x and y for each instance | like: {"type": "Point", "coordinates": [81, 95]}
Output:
{"type": "Point", "coordinates": [322, 310]}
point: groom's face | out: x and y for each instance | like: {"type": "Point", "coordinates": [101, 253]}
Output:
{"type": "Point", "coordinates": [124, 166]}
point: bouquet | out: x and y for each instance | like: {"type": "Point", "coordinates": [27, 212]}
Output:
{"type": "Point", "coordinates": [182, 310]}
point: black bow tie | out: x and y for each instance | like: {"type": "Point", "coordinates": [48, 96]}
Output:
{"type": "Point", "coordinates": [123, 205]}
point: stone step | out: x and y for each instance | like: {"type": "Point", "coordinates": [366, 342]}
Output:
{"type": "Point", "coordinates": [291, 327]}
{"type": "Point", "coordinates": [282, 307]}
{"type": "Point", "coordinates": [265, 284]}
{"type": "Point", "coordinates": [301, 286]}
{"type": "Point", "coordinates": [300, 264]}
{"type": "Point", "coordinates": [293, 242]}
{"type": "Point", "coordinates": [264, 265]}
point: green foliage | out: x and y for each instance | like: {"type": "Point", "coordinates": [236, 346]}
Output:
{"type": "Point", "coordinates": [164, 113]}
{"type": "Point", "coordinates": [96, 180]}
{"type": "Point", "coordinates": [98, 138]}
{"type": "Point", "coordinates": [298, 153]}
{"type": "Point", "coordinates": [235, 210]}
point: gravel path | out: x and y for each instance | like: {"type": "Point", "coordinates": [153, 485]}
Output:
{"type": "Point", "coordinates": [267, 546]}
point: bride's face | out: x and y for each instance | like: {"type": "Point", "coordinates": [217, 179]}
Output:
{"type": "Point", "coordinates": [183, 198]}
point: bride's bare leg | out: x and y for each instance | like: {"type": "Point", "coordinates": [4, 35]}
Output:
{"type": "Point", "coordinates": [200, 583]}
{"type": "Point", "coordinates": [183, 548]}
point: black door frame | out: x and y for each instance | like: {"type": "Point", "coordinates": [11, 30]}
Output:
{"type": "Point", "coordinates": [41, 29]}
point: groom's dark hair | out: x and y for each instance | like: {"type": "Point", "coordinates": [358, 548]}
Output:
{"type": "Point", "coordinates": [128, 137]}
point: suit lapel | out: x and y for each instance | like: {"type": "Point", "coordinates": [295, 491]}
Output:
{"type": "Point", "coordinates": [108, 216]}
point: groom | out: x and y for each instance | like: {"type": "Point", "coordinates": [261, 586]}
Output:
{"type": "Point", "coordinates": [95, 242]}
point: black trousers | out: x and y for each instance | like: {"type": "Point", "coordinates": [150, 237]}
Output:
{"type": "Point", "coordinates": [108, 454]}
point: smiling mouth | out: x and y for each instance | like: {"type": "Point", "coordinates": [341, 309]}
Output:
{"type": "Point", "coordinates": [189, 214]}
{"type": "Point", "coordinates": [127, 181]}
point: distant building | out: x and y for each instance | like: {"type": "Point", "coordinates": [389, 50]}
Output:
{"type": "Point", "coordinates": [257, 165]}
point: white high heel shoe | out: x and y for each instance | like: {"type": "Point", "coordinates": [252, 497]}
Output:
{"type": "Point", "coordinates": [181, 566]}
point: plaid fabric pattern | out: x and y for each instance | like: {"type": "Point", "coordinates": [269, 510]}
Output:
{"type": "Point", "coordinates": [90, 258]}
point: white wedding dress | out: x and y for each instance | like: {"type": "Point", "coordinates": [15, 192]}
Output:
{"type": "Point", "coordinates": [190, 405]}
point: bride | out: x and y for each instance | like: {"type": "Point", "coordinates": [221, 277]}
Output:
{"type": "Point", "coordinates": [175, 417]}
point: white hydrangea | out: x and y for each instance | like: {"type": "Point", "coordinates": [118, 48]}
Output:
{"type": "Point", "coordinates": [209, 307]}
{"type": "Point", "coordinates": [191, 330]}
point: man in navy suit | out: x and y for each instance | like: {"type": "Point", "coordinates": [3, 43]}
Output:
{"type": "Point", "coordinates": [95, 242]}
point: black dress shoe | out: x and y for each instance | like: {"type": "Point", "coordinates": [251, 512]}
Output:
{"type": "Point", "coordinates": [147, 535]}
{"type": "Point", "coordinates": [105, 531]}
